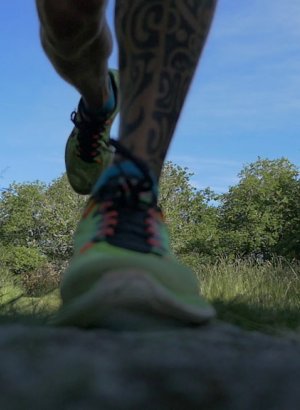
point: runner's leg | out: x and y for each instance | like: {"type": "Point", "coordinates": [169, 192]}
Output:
{"type": "Point", "coordinates": [160, 43]}
{"type": "Point", "coordinates": [77, 40]}
{"type": "Point", "coordinates": [123, 273]}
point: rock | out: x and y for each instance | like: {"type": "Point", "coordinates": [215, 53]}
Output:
{"type": "Point", "coordinates": [217, 366]}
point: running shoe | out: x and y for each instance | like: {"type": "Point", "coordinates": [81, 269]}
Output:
{"type": "Point", "coordinates": [88, 151]}
{"type": "Point", "coordinates": [123, 275]}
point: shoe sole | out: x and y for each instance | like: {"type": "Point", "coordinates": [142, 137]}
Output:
{"type": "Point", "coordinates": [131, 300]}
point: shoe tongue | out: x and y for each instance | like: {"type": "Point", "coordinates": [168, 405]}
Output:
{"type": "Point", "coordinates": [127, 173]}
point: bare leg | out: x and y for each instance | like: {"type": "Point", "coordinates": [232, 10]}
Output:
{"type": "Point", "coordinates": [160, 43]}
{"type": "Point", "coordinates": [77, 40]}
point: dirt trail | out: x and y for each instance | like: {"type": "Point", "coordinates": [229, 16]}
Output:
{"type": "Point", "coordinates": [214, 367]}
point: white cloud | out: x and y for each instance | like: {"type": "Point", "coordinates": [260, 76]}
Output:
{"type": "Point", "coordinates": [257, 17]}
{"type": "Point", "coordinates": [216, 173]}
{"type": "Point", "coordinates": [192, 161]}
{"type": "Point", "coordinates": [249, 76]}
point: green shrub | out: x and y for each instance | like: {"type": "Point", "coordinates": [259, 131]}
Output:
{"type": "Point", "coordinates": [40, 281]}
{"type": "Point", "coordinates": [20, 259]}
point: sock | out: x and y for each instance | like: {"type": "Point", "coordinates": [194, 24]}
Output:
{"type": "Point", "coordinates": [108, 106]}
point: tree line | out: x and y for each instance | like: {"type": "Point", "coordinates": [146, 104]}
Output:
{"type": "Point", "coordinates": [259, 216]}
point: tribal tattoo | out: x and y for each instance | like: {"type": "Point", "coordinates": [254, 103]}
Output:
{"type": "Point", "coordinates": [160, 42]}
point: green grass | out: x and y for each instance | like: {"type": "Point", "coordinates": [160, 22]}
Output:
{"type": "Point", "coordinates": [257, 296]}
{"type": "Point", "coordinates": [262, 296]}
{"type": "Point", "coordinates": [17, 307]}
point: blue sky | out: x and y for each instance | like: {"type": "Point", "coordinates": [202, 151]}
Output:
{"type": "Point", "coordinates": [244, 101]}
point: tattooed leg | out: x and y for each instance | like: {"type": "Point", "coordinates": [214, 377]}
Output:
{"type": "Point", "coordinates": [160, 43]}
{"type": "Point", "coordinates": [77, 40]}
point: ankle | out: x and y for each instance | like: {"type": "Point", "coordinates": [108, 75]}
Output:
{"type": "Point", "coordinates": [97, 109]}
{"type": "Point", "coordinates": [123, 154]}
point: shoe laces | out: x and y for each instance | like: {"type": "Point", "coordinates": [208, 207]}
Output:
{"type": "Point", "coordinates": [128, 215]}
{"type": "Point", "coordinates": [89, 137]}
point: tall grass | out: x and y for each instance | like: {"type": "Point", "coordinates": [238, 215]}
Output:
{"type": "Point", "coordinates": [17, 306]}
{"type": "Point", "coordinates": [256, 295]}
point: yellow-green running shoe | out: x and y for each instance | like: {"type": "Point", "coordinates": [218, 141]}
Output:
{"type": "Point", "coordinates": [88, 151]}
{"type": "Point", "coordinates": [123, 275]}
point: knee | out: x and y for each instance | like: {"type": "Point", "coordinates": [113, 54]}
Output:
{"type": "Point", "coordinates": [67, 24]}
{"type": "Point", "coordinates": [70, 8]}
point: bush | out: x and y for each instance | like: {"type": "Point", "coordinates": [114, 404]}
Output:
{"type": "Point", "coordinates": [40, 281]}
{"type": "Point", "coordinates": [20, 259]}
